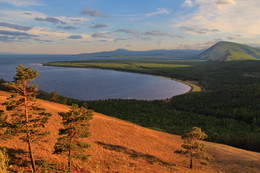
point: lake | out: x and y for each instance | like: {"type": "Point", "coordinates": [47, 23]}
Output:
{"type": "Point", "coordinates": [91, 84]}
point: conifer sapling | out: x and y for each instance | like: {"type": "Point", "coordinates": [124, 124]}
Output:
{"type": "Point", "coordinates": [75, 129]}
{"type": "Point", "coordinates": [191, 147]}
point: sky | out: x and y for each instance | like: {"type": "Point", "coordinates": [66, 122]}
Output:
{"type": "Point", "coordinates": [84, 26]}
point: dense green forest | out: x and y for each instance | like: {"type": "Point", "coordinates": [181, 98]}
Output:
{"type": "Point", "coordinates": [228, 110]}
{"type": "Point", "coordinates": [239, 103]}
{"type": "Point", "coordinates": [162, 115]}
{"type": "Point", "coordinates": [174, 116]}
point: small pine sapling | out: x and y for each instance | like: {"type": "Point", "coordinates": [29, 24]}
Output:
{"type": "Point", "coordinates": [75, 129]}
{"type": "Point", "coordinates": [54, 96]}
{"type": "Point", "coordinates": [191, 147]}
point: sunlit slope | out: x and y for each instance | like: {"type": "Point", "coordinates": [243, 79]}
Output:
{"type": "Point", "coordinates": [228, 51]}
{"type": "Point", "coordinates": [120, 146]}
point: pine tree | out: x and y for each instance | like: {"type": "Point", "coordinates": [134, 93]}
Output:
{"type": "Point", "coordinates": [54, 96]}
{"type": "Point", "coordinates": [76, 128]}
{"type": "Point", "coordinates": [27, 118]}
{"type": "Point", "coordinates": [191, 147]}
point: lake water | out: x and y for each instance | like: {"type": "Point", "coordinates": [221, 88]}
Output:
{"type": "Point", "coordinates": [91, 84]}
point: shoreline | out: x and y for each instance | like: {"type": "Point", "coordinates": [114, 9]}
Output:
{"type": "Point", "coordinates": [194, 87]}
{"type": "Point", "coordinates": [193, 84]}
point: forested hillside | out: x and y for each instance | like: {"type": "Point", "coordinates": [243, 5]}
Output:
{"type": "Point", "coordinates": [120, 146]}
{"type": "Point", "coordinates": [228, 110]}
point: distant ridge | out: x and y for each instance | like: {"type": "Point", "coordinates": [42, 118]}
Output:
{"type": "Point", "coordinates": [229, 51]}
{"type": "Point", "coordinates": [221, 51]}
{"type": "Point", "coordinates": [174, 53]}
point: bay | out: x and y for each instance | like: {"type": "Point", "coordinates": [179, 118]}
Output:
{"type": "Point", "coordinates": [91, 84]}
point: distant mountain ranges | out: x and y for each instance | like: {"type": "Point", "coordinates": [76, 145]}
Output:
{"type": "Point", "coordinates": [150, 53]}
{"type": "Point", "coordinates": [221, 51]}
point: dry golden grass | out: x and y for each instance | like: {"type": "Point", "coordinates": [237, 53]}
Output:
{"type": "Point", "coordinates": [120, 146]}
{"type": "Point", "coordinates": [194, 85]}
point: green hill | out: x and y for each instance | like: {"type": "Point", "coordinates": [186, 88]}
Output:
{"type": "Point", "coordinates": [228, 51]}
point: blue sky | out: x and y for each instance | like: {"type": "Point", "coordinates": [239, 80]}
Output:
{"type": "Point", "coordinates": [79, 26]}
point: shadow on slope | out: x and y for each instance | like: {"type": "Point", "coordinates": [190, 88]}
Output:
{"type": "Point", "coordinates": [134, 154]}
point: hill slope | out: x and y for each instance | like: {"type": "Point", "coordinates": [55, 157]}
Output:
{"type": "Point", "coordinates": [228, 51]}
{"type": "Point", "coordinates": [120, 146]}
{"type": "Point", "coordinates": [150, 53]}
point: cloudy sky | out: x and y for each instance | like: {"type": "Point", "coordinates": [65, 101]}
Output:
{"type": "Point", "coordinates": [80, 26]}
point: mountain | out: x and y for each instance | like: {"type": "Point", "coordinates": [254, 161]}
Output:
{"type": "Point", "coordinates": [174, 53]}
{"type": "Point", "coordinates": [229, 51]}
{"type": "Point", "coordinates": [221, 51]}
{"type": "Point", "coordinates": [121, 146]}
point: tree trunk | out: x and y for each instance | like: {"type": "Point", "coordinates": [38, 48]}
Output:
{"type": "Point", "coordinates": [27, 133]}
{"type": "Point", "coordinates": [191, 163]}
{"type": "Point", "coordinates": [30, 153]}
{"type": "Point", "coordinates": [69, 157]}
{"type": "Point", "coordinates": [69, 162]}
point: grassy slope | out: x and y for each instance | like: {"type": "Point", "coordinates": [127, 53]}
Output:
{"type": "Point", "coordinates": [120, 146]}
{"type": "Point", "coordinates": [238, 55]}
{"type": "Point", "coordinates": [228, 51]}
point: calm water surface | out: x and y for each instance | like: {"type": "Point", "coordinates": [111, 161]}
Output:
{"type": "Point", "coordinates": [91, 84]}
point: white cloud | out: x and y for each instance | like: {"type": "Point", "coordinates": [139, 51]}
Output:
{"type": "Point", "coordinates": [192, 3]}
{"type": "Point", "coordinates": [188, 3]}
{"type": "Point", "coordinates": [226, 16]}
{"type": "Point", "coordinates": [20, 16]}
{"type": "Point", "coordinates": [92, 13]}
{"type": "Point", "coordinates": [159, 11]}
{"type": "Point", "coordinates": [198, 46]}
{"type": "Point", "coordinates": [73, 20]}
{"type": "Point", "coordinates": [225, 2]}
{"type": "Point", "coordinates": [21, 3]}
{"type": "Point", "coordinates": [103, 36]}
{"type": "Point", "coordinates": [47, 34]}
{"type": "Point", "coordinates": [25, 16]}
